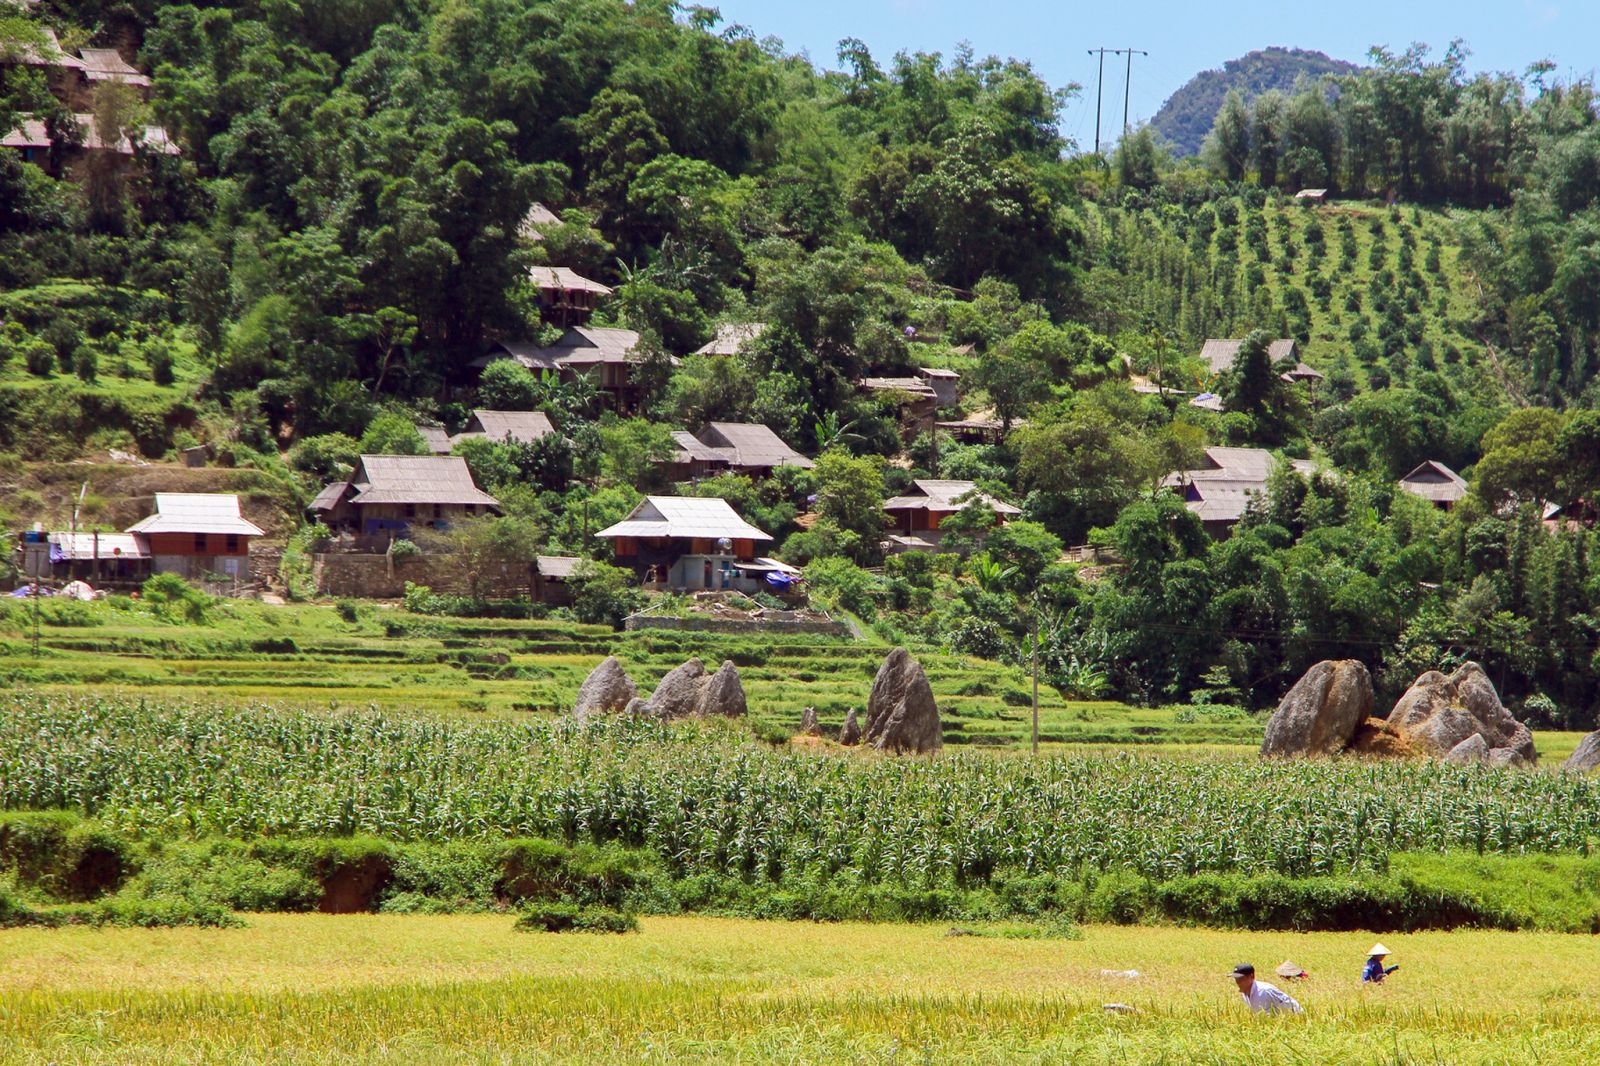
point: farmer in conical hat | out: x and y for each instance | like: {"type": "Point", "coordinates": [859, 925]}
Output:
{"type": "Point", "coordinates": [1290, 971]}
{"type": "Point", "coordinates": [1375, 971]}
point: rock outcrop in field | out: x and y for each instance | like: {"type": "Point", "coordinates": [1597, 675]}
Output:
{"type": "Point", "coordinates": [901, 713]}
{"type": "Point", "coordinates": [1586, 757]}
{"type": "Point", "coordinates": [1319, 716]}
{"type": "Point", "coordinates": [1439, 716]}
{"type": "Point", "coordinates": [850, 732]}
{"type": "Point", "coordinates": [1455, 719]}
{"type": "Point", "coordinates": [689, 692]}
{"type": "Point", "coordinates": [607, 690]}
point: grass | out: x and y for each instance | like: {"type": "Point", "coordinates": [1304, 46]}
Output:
{"type": "Point", "coordinates": [346, 989]}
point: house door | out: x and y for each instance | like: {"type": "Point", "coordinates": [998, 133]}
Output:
{"type": "Point", "coordinates": [705, 582]}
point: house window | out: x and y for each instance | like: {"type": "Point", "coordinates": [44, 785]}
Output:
{"type": "Point", "coordinates": [233, 544]}
{"type": "Point", "coordinates": [411, 510]}
{"type": "Point", "coordinates": [199, 543]}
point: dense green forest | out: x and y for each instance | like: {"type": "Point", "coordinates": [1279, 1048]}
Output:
{"type": "Point", "coordinates": [343, 234]}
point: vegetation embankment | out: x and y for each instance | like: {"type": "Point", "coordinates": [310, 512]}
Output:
{"type": "Point", "coordinates": [711, 823]}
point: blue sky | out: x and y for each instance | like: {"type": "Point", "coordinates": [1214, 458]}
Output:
{"type": "Point", "coordinates": [1182, 36]}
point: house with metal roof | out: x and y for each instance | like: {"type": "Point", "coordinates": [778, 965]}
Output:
{"type": "Point", "coordinates": [195, 534]}
{"type": "Point", "coordinates": [915, 400]}
{"type": "Point", "coordinates": [1436, 483]}
{"type": "Point", "coordinates": [691, 543]}
{"type": "Point", "coordinates": [566, 297]}
{"type": "Point", "coordinates": [731, 338]}
{"type": "Point", "coordinates": [606, 355]}
{"type": "Point", "coordinates": [503, 427]}
{"type": "Point", "coordinates": [1220, 491]}
{"type": "Point", "coordinates": [731, 447]}
{"type": "Point", "coordinates": [390, 494]}
{"type": "Point", "coordinates": [1219, 355]}
{"type": "Point", "coordinates": [98, 558]}
{"type": "Point", "coordinates": [916, 516]}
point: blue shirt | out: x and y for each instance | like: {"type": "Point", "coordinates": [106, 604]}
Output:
{"type": "Point", "coordinates": [1374, 970]}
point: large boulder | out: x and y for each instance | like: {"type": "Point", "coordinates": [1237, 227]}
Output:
{"type": "Point", "coordinates": [678, 694]}
{"type": "Point", "coordinates": [607, 690]}
{"type": "Point", "coordinates": [1438, 713]}
{"type": "Point", "coordinates": [850, 732]}
{"type": "Point", "coordinates": [808, 723]}
{"type": "Point", "coordinates": [1473, 750]}
{"type": "Point", "coordinates": [901, 713]}
{"type": "Point", "coordinates": [1586, 756]}
{"type": "Point", "coordinates": [722, 694]}
{"type": "Point", "coordinates": [1319, 715]}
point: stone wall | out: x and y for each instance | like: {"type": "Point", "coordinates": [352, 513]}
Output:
{"type": "Point", "coordinates": [383, 577]}
{"type": "Point", "coordinates": [730, 625]}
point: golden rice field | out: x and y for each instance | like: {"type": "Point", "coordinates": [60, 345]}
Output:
{"type": "Point", "coordinates": [466, 989]}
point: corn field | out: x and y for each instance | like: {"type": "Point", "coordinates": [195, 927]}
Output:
{"type": "Point", "coordinates": [710, 801]}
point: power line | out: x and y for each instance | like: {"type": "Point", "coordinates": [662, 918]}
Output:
{"type": "Point", "coordinates": [1099, 88]}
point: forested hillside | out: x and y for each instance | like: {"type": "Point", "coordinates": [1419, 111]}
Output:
{"type": "Point", "coordinates": [345, 230]}
{"type": "Point", "coordinates": [1186, 116]}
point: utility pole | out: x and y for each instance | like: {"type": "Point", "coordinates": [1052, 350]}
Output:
{"type": "Point", "coordinates": [1099, 87]}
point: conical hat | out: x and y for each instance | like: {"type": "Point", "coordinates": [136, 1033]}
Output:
{"type": "Point", "coordinates": [1289, 969]}
{"type": "Point", "coordinates": [1377, 949]}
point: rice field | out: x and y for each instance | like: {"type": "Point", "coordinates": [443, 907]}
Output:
{"type": "Point", "coordinates": [463, 989]}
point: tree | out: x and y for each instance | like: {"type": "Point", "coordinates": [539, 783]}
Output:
{"type": "Point", "coordinates": [603, 594]}
{"type": "Point", "coordinates": [393, 434]}
{"type": "Point", "coordinates": [1227, 146]}
{"type": "Point", "coordinates": [1139, 159]}
{"type": "Point", "coordinates": [1521, 460]}
{"type": "Point", "coordinates": [488, 552]}
{"type": "Point", "coordinates": [1266, 135]}
{"type": "Point", "coordinates": [850, 495]}
{"type": "Point", "coordinates": [507, 385]}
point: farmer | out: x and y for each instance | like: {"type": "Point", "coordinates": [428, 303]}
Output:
{"type": "Point", "coordinates": [1260, 995]}
{"type": "Point", "coordinates": [1375, 971]}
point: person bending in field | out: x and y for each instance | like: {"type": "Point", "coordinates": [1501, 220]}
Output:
{"type": "Point", "coordinates": [1260, 996]}
{"type": "Point", "coordinates": [1375, 971]}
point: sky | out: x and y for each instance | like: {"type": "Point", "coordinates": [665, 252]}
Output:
{"type": "Point", "coordinates": [1183, 37]}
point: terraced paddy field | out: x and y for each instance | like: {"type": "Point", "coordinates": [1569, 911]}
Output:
{"type": "Point", "coordinates": [466, 989]}
{"type": "Point", "coordinates": [310, 655]}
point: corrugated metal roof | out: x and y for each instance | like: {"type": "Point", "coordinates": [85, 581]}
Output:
{"type": "Point", "coordinates": [330, 496]}
{"type": "Point", "coordinates": [437, 438]}
{"type": "Point", "coordinates": [525, 426]}
{"type": "Point", "coordinates": [1220, 355]}
{"type": "Point", "coordinates": [914, 386]}
{"type": "Point", "coordinates": [731, 337]}
{"type": "Point", "coordinates": [942, 495]}
{"type": "Point", "coordinates": [938, 372]}
{"type": "Point", "coordinates": [107, 64]}
{"type": "Point", "coordinates": [565, 279]}
{"type": "Point", "coordinates": [559, 566]}
{"type": "Point", "coordinates": [538, 215]}
{"type": "Point", "coordinates": [50, 54]}
{"type": "Point", "coordinates": [707, 518]}
{"type": "Point", "coordinates": [754, 445]}
{"type": "Point", "coordinates": [102, 545]}
{"type": "Point", "coordinates": [1436, 482]}
{"type": "Point", "coordinates": [443, 479]}
{"type": "Point", "coordinates": [196, 512]}
{"type": "Point", "coordinates": [693, 449]}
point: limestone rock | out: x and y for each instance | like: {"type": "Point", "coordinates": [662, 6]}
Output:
{"type": "Point", "coordinates": [901, 713]}
{"type": "Point", "coordinates": [1472, 750]}
{"type": "Point", "coordinates": [1437, 713]}
{"type": "Point", "coordinates": [1319, 715]}
{"type": "Point", "coordinates": [808, 723]}
{"type": "Point", "coordinates": [722, 694]}
{"type": "Point", "coordinates": [606, 690]}
{"type": "Point", "coordinates": [637, 708]}
{"type": "Point", "coordinates": [1586, 756]}
{"type": "Point", "coordinates": [678, 694]}
{"type": "Point", "coordinates": [1505, 757]}
{"type": "Point", "coordinates": [850, 732]}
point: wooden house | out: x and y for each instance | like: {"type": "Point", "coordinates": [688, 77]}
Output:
{"type": "Point", "coordinates": [691, 544]}
{"type": "Point", "coordinates": [388, 495]}
{"type": "Point", "coordinates": [504, 427]}
{"type": "Point", "coordinates": [550, 574]}
{"type": "Point", "coordinates": [1436, 483]}
{"type": "Point", "coordinates": [566, 297]}
{"type": "Point", "coordinates": [1220, 491]}
{"type": "Point", "coordinates": [195, 534]}
{"type": "Point", "coordinates": [915, 517]}
{"type": "Point", "coordinates": [98, 558]}
{"type": "Point", "coordinates": [1219, 355]}
{"type": "Point", "coordinates": [915, 400]}
{"type": "Point", "coordinates": [731, 447]}
{"type": "Point", "coordinates": [605, 355]}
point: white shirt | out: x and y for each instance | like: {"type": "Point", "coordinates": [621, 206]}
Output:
{"type": "Point", "coordinates": [1269, 998]}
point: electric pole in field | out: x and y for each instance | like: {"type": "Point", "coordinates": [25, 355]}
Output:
{"type": "Point", "coordinates": [1099, 87]}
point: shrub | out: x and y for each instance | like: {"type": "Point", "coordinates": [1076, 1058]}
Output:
{"type": "Point", "coordinates": [62, 855]}
{"type": "Point", "coordinates": [568, 918]}
{"type": "Point", "coordinates": [840, 582]}
{"type": "Point", "coordinates": [160, 360]}
{"type": "Point", "coordinates": [1120, 897]}
{"type": "Point", "coordinates": [173, 599]}
{"type": "Point", "coordinates": [603, 594]}
{"type": "Point", "coordinates": [40, 358]}
{"type": "Point", "coordinates": [86, 363]}
{"type": "Point", "coordinates": [349, 611]}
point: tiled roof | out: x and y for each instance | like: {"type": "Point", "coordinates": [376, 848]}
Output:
{"type": "Point", "coordinates": [693, 449]}
{"type": "Point", "coordinates": [196, 512]}
{"type": "Point", "coordinates": [330, 496]}
{"type": "Point", "coordinates": [436, 438]}
{"type": "Point", "coordinates": [525, 426]}
{"type": "Point", "coordinates": [706, 518]}
{"type": "Point", "coordinates": [1220, 355]}
{"type": "Point", "coordinates": [560, 566]}
{"type": "Point", "coordinates": [565, 279]}
{"type": "Point", "coordinates": [1434, 481]}
{"type": "Point", "coordinates": [443, 479]}
{"type": "Point", "coordinates": [107, 64]}
{"type": "Point", "coordinates": [538, 215]}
